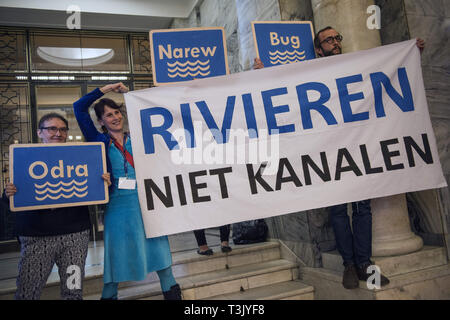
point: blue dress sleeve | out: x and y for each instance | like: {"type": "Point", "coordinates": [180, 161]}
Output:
{"type": "Point", "coordinates": [90, 132]}
{"type": "Point", "coordinates": [81, 111]}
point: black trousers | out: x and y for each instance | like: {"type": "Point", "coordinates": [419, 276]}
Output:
{"type": "Point", "coordinates": [201, 238]}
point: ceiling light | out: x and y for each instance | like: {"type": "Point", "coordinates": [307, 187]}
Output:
{"type": "Point", "coordinates": [75, 57]}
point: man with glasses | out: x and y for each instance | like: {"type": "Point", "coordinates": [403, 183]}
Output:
{"type": "Point", "coordinates": [54, 131]}
{"type": "Point", "coordinates": [354, 244]}
{"type": "Point", "coordinates": [49, 236]}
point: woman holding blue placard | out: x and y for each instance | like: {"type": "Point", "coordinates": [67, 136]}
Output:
{"type": "Point", "coordinates": [51, 236]}
{"type": "Point", "coordinates": [129, 255]}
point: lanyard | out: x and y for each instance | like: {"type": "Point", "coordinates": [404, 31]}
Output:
{"type": "Point", "coordinates": [126, 155]}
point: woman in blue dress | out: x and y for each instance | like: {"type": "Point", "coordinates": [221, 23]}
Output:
{"type": "Point", "coordinates": [129, 255]}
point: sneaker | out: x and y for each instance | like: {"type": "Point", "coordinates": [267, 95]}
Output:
{"type": "Point", "coordinates": [350, 279]}
{"type": "Point", "coordinates": [363, 274]}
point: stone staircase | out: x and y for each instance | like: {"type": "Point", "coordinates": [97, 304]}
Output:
{"type": "Point", "coordinates": [249, 272]}
{"type": "Point", "coordinates": [420, 275]}
{"type": "Point", "coordinates": [265, 271]}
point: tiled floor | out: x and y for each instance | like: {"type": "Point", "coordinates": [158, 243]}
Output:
{"type": "Point", "coordinates": [94, 262]}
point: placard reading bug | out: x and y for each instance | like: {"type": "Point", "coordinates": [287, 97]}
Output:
{"type": "Point", "coordinates": [283, 42]}
{"type": "Point", "coordinates": [186, 54]}
{"type": "Point", "coordinates": [57, 175]}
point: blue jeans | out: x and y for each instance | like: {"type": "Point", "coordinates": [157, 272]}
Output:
{"type": "Point", "coordinates": [356, 247]}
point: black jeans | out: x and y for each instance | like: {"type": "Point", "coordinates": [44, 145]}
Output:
{"type": "Point", "coordinates": [201, 238]}
{"type": "Point", "coordinates": [356, 247]}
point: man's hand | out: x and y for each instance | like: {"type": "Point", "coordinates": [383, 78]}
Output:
{"type": "Point", "coordinates": [420, 43]}
{"type": "Point", "coordinates": [10, 189]}
{"type": "Point", "coordinates": [118, 87]}
{"type": "Point", "coordinates": [258, 64]}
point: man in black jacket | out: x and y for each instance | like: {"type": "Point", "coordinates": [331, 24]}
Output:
{"type": "Point", "coordinates": [354, 244]}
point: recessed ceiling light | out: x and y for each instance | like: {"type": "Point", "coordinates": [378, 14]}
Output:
{"type": "Point", "coordinates": [75, 57]}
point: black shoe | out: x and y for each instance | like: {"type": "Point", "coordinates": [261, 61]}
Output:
{"type": "Point", "coordinates": [173, 294]}
{"type": "Point", "coordinates": [226, 249]}
{"type": "Point", "coordinates": [350, 279]}
{"type": "Point", "coordinates": [208, 252]}
{"type": "Point", "coordinates": [363, 274]}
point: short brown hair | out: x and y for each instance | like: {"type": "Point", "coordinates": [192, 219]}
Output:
{"type": "Point", "coordinates": [52, 115]}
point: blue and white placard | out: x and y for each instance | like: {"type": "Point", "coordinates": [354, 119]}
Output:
{"type": "Point", "coordinates": [186, 54]}
{"type": "Point", "coordinates": [283, 42]}
{"type": "Point", "coordinates": [57, 175]}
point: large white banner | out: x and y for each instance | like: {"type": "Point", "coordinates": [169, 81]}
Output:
{"type": "Point", "coordinates": [284, 139]}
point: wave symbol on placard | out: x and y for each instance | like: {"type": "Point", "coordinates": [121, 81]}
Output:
{"type": "Point", "coordinates": [285, 57]}
{"type": "Point", "coordinates": [188, 68]}
{"type": "Point", "coordinates": [66, 190]}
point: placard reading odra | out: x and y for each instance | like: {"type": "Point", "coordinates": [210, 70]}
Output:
{"type": "Point", "coordinates": [53, 175]}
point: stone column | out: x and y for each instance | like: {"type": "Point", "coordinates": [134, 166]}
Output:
{"type": "Point", "coordinates": [349, 18]}
{"type": "Point", "coordinates": [392, 233]}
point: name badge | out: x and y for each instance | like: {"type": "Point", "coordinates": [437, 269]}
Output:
{"type": "Point", "coordinates": [125, 183]}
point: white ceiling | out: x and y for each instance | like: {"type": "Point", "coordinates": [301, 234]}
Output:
{"type": "Point", "coordinates": [114, 15]}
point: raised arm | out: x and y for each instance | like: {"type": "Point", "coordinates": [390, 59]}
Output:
{"type": "Point", "coordinates": [118, 87]}
{"type": "Point", "coordinates": [81, 111]}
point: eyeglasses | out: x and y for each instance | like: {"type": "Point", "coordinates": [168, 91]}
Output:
{"type": "Point", "coordinates": [54, 130]}
{"type": "Point", "coordinates": [330, 40]}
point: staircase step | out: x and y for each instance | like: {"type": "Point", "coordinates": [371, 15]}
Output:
{"type": "Point", "coordinates": [190, 262]}
{"type": "Point", "coordinates": [429, 283]}
{"type": "Point", "coordinates": [184, 263]}
{"type": "Point", "coordinates": [290, 290]}
{"type": "Point", "coordinates": [209, 284]}
{"type": "Point", "coordinates": [427, 257]}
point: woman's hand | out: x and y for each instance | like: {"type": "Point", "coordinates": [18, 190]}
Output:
{"type": "Point", "coordinates": [107, 177]}
{"type": "Point", "coordinates": [118, 87]}
{"type": "Point", "coordinates": [10, 189]}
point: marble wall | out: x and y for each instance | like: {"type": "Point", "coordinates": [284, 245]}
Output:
{"type": "Point", "coordinates": [299, 10]}
{"type": "Point", "coordinates": [248, 11]}
{"type": "Point", "coordinates": [348, 17]}
{"type": "Point", "coordinates": [217, 13]}
{"type": "Point", "coordinates": [429, 20]}
{"type": "Point", "coordinates": [235, 16]}
{"type": "Point", "coordinates": [306, 233]}
{"type": "Point", "coordinates": [309, 233]}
